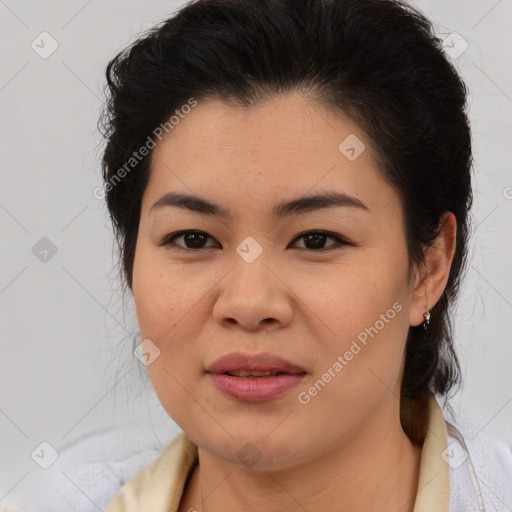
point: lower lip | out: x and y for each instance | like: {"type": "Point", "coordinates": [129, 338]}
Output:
{"type": "Point", "coordinates": [255, 389]}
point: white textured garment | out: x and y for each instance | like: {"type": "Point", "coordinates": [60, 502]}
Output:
{"type": "Point", "coordinates": [492, 462]}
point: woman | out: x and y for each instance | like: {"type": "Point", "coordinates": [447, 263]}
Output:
{"type": "Point", "coordinates": [290, 184]}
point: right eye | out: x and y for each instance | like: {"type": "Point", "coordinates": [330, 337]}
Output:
{"type": "Point", "coordinates": [194, 239]}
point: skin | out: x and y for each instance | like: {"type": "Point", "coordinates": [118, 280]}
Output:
{"type": "Point", "coordinates": [345, 449]}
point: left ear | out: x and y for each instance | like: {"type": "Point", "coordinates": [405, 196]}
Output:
{"type": "Point", "coordinates": [431, 281]}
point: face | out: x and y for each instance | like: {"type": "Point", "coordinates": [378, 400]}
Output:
{"type": "Point", "coordinates": [324, 287]}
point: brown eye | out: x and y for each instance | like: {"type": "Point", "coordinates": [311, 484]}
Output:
{"type": "Point", "coordinates": [191, 239]}
{"type": "Point", "coordinates": [315, 241]}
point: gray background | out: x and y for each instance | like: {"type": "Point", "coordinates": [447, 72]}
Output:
{"type": "Point", "coordinates": [66, 361]}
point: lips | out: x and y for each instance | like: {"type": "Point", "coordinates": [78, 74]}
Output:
{"type": "Point", "coordinates": [250, 366]}
{"type": "Point", "coordinates": [253, 373]}
{"type": "Point", "coordinates": [254, 378]}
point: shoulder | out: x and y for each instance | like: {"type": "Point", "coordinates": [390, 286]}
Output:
{"type": "Point", "coordinates": [160, 485]}
{"type": "Point", "coordinates": [89, 469]}
{"type": "Point", "coordinates": [480, 468]}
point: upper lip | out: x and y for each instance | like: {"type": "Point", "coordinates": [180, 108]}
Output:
{"type": "Point", "coordinates": [257, 362]}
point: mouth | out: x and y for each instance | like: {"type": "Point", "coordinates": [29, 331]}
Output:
{"type": "Point", "coordinates": [255, 388]}
{"type": "Point", "coordinates": [238, 364]}
{"type": "Point", "coordinates": [249, 374]}
{"type": "Point", "coordinates": [255, 378]}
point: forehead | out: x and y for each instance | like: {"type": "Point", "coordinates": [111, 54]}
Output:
{"type": "Point", "coordinates": [284, 146]}
{"type": "Point", "coordinates": [288, 125]}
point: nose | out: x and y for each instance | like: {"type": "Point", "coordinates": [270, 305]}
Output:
{"type": "Point", "coordinates": [253, 297]}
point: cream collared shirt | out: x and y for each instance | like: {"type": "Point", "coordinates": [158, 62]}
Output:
{"type": "Point", "coordinates": [159, 487]}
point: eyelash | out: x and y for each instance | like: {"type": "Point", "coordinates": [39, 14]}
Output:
{"type": "Point", "coordinates": [168, 241]}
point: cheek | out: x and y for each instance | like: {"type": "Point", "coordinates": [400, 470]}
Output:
{"type": "Point", "coordinates": [171, 311]}
{"type": "Point", "coordinates": [350, 297]}
{"type": "Point", "coordinates": [362, 309]}
{"type": "Point", "coordinates": [173, 321]}
{"type": "Point", "coordinates": [162, 296]}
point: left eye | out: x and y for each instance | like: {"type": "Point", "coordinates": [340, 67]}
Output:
{"type": "Point", "coordinates": [194, 240]}
{"type": "Point", "coordinates": [317, 238]}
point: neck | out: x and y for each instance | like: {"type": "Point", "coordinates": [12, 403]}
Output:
{"type": "Point", "coordinates": [376, 469]}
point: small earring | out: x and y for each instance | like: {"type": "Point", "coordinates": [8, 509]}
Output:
{"type": "Point", "coordinates": [426, 316]}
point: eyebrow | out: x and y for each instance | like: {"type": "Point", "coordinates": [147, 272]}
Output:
{"type": "Point", "coordinates": [299, 205]}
